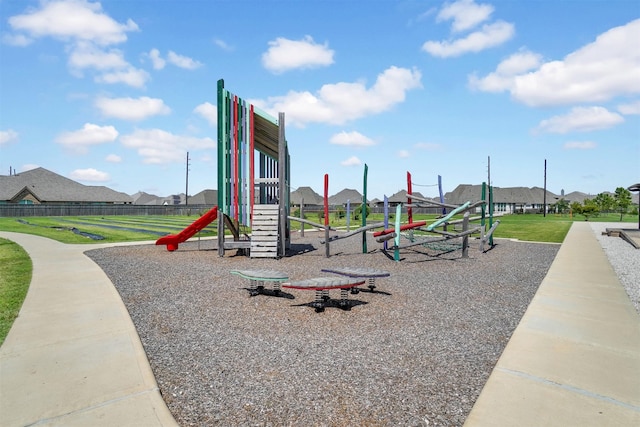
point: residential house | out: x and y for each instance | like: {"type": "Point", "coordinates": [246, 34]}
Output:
{"type": "Point", "coordinates": [353, 197]}
{"type": "Point", "coordinates": [505, 200]}
{"type": "Point", "coordinates": [41, 186]}
{"type": "Point", "coordinates": [205, 197]}
{"type": "Point", "coordinates": [306, 195]}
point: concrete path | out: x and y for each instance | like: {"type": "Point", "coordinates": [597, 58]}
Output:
{"type": "Point", "coordinates": [574, 359]}
{"type": "Point", "coordinates": [73, 356]}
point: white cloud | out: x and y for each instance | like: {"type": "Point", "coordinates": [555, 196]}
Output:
{"type": "Point", "coordinates": [182, 61]}
{"type": "Point", "coordinates": [131, 76]}
{"type": "Point", "coordinates": [503, 78]}
{"type": "Point", "coordinates": [352, 139]}
{"type": "Point", "coordinates": [632, 108]}
{"type": "Point", "coordinates": [343, 102]}
{"type": "Point", "coordinates": [465, 14]}
{"type": "Point", "coordinates": [110, 65]}
{"type": "Point", "coordinates": [597, 72]}
{"type": "Point", "coordinates": [491, 35]}
{"type": "Point", "coordinates": [91, 175]}
{"type": "Point", "coordinates": [222, 44]}
{"type": "Point", "coordinates": [113, 158]}
{"type": "Point", "coordinates": [7, 136]}
{"type": "Point", "coordinates": [284, 55]}
{"type": "Point", "coordinates": [580, 145]}
{"type": "Point", "coordinates": [87, 31]}
{"type": "Point", "coordinates": [351, 161]}
{"type": "Point", "coordinates": [157, 146]}
{"type": "Point", "coordinates": [132, 109]}
{"type": "Point", "coordinates": [156, 60]}
{"type": "Point", "coordinates": [71, 20]}
{"type": "Point", "coordinates": [90, 134]}
{"type": "Point", "coordinates": [87, 55]}
{"type": "Point", "coordinates": [581, 119]}
{"type": "Point", "coordinates": [403, 154]}
{"type": "Point", "coordinates": [19, 40]}
{"type": "Point", "coordinates": [208, 111]}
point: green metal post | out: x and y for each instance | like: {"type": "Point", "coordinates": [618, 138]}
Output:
{"type": "Point", "coordinates": [364, 210]}
{"type": "Point", "coordinates": [484, 205]}
{"type": "Point", "coordinates": [491, 213]}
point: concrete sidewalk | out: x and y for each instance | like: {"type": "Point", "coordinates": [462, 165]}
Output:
{"type": "Point", "coordinates": [73, 356]}
{"type": "Point", "coordinates": [574, 359]}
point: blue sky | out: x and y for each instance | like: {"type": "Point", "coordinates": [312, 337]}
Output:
{"type": "Point", "coordinates": [116, 93]}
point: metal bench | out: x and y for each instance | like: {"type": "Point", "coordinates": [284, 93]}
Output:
{"type": "Point", "coordinates": [258, 278]}
{"type": "Point", "coordinates": [322, 285]}
{"type": "Point", "coordinates": [359, 272]}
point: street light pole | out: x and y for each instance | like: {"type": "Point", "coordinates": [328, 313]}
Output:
{"type": "Point", "coordinates": [186, 191]}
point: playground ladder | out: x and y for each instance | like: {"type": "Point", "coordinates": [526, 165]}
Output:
{"type": "Point", "coordinates": [264, 231]}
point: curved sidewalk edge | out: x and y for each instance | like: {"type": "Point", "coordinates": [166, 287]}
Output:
{"type": "Point", "coordinates": [574, 359]}
{"type": "Point", "coordinates": [73, 356]}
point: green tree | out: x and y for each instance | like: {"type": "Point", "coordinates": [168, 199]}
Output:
{"type": "Point", "coordinates": [605, 202]}
{"type": "Point", "coordinates": [357, 212]}
{"type": "Point", "coordinates": [622, 198]}
{"type": "Point", "coordinates": [561, 206]}
{"type": "Point", "coordinates": [587, 208]}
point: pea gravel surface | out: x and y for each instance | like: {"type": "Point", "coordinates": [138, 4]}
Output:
{"type": "Point", "coordinates": [415, 352]}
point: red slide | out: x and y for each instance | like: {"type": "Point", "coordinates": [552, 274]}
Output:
{"type": "Point", "coordinates": [173, 240]}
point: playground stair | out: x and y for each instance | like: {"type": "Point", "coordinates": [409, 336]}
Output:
{"type": "Point", "coordinates": [264, 231]}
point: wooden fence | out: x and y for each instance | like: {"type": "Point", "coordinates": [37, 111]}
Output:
{"type": "Point", "coordinates": [8, 210]}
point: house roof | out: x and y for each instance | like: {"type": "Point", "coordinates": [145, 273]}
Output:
{"type": "Point", "coordinates": [353, 196]}
{"type": "Point", "coordinates": [307, 194]}
{"type": "Point", "coordinates": [47, 186]}
{"type": "Point", "coordinates": [401, 196]}
{"type": "Point", "coordinates": [205, 197]}
{"type": "Point", "coordinates": [142, 198]}
{"type": "Point", "coordinates": [519, 195]}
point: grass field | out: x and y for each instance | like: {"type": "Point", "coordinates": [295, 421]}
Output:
{"type": "Point", "coordinates": [15, 276]}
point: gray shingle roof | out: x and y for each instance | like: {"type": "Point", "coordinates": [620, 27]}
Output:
{"type": "Point", "coordinates": [340, 199]}
{"type": "Point", "coordinates": [401, 196]}
{"type": "Point", "coordinates": [518, 195]}
{"type": "Point", "coordinates": [310, 197]}
{"type": "Point", "coordinates": [205, 197]}
{"type": "Point", "coordinates": [49, 187]}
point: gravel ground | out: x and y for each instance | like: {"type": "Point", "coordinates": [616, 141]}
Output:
{"type": "Point", "coordinates": [623, 257]}
{"type": "Point", "coordinates": [417, 352]}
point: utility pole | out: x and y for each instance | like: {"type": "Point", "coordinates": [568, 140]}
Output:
{"type": "Point", "coordinates": [186, 191]}
{"type": "Point", "coordinates": [544, 203]}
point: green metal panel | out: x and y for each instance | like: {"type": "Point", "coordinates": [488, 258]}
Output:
{"type": "Point", "coordinates": [221, 120]}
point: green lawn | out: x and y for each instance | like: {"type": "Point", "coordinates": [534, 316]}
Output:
{"type": "Point", "coordinates": [111, 228]}
{"type": "Point", "coordinates": [15, 276]}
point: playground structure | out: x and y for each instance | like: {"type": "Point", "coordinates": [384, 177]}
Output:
{"type": "Point", "coordinates": [444, 235]}
{"type": "Point", "coordinates": [253, 178]}
{"type": "Point", "coordinates": [254, 195]}
{"type": "Point", "coordinates": [433, 232]}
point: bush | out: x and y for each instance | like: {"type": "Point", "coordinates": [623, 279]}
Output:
{"type": "Point", "coordinates": [357, 211]}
